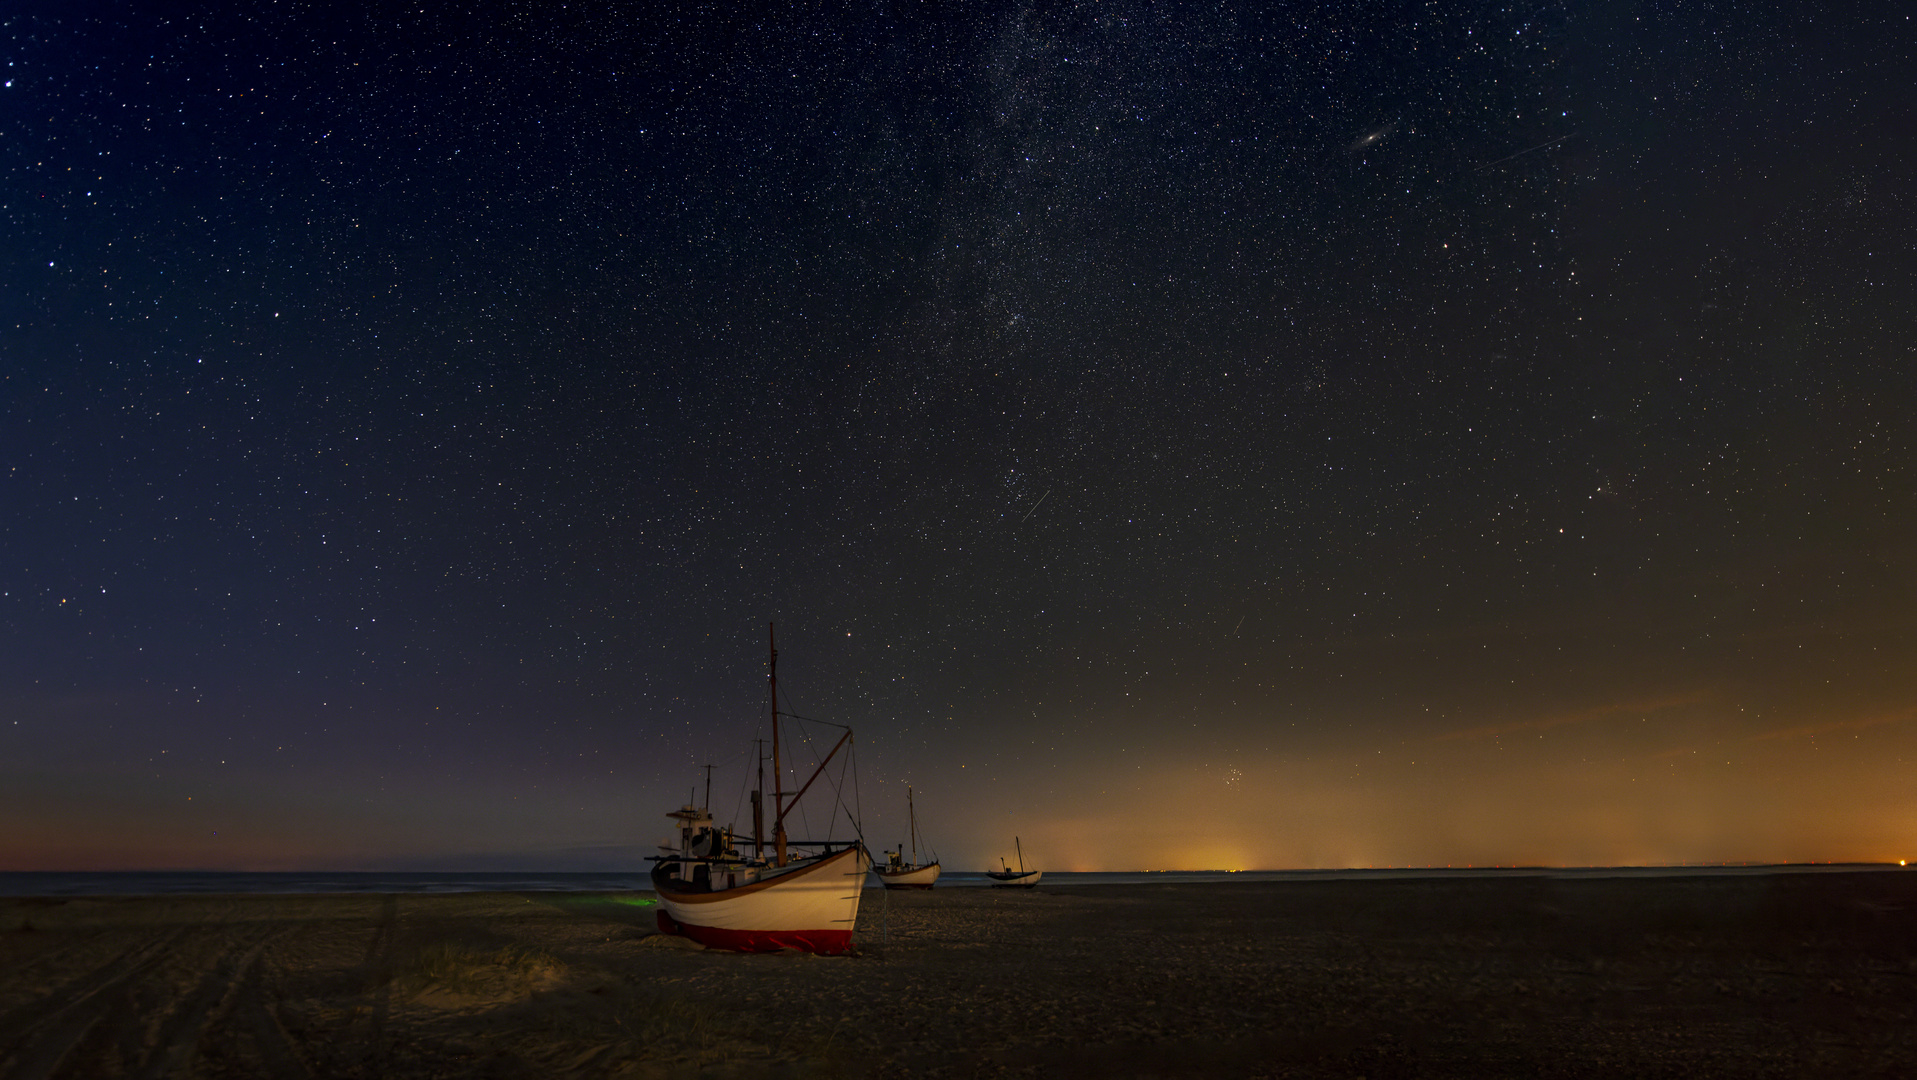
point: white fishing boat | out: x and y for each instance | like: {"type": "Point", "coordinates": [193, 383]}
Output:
{"type": "Point", "coordinates": [722, 898]}
{"type": "Point", "coordinates": [900, 873]}
{"type": "Point", "coordinates": [1007, 878]}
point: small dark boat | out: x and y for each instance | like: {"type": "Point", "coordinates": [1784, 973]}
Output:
{"type": "Point", "coordinates": [897, 873]}
{"type": "Point", "coordinates": [1008, 878]}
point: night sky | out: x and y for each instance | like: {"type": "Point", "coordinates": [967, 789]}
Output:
{"type": "Point", "coordinates": [1177, 435]}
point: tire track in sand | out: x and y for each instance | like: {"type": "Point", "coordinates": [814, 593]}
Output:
{"type": "Point", "coordinates": [378, 969]}
{"type": "Point", "coordinates": [278, 1054]}
{"type": "Point", "coordinates": [50, 961]}
{"type": "Point", "coordinates": [57, 1023]}
{"type": "Point", "coordinates": [180, 1034]}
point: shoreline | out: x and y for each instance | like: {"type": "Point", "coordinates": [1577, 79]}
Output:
{"type": "Point", "coordinates": [70, 883]}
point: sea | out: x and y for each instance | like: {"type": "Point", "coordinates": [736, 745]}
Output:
{"type": "Point", "coordinates": [214, 882]}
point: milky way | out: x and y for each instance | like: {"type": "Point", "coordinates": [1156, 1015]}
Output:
{"type": "Point", "coordinates": [1178, 435]}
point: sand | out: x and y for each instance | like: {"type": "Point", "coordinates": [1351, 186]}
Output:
{"type": "Point", "coordinates": [1781, 975]}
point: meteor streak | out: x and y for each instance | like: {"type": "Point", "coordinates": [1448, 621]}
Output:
{"type": "Point", "coordinates": [1521, 153]}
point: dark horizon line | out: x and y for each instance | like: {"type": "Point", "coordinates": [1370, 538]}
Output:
{"type": "Point", "coordinates": [1539, 867]}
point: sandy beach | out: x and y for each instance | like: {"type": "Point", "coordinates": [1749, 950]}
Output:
{"type": "Point", "coordinates": [1778, 975]}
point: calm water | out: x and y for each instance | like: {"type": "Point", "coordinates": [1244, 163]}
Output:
{"type": "Point", "coordinates": [151, 883]}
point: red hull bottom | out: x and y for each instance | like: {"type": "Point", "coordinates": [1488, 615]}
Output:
{"type": "Point", "coordinates": [823, 942]}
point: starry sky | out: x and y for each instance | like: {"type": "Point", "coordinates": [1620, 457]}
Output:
{"type": "Point", "coordinates": [1179, 435]}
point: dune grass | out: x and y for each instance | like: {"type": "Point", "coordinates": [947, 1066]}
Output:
{"type": "Point", "coordinates": [466, 970]}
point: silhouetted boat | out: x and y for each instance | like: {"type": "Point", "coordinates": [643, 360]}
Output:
{"type": "Point", "coordinates": [722, 899]}
{"type": "Point", "coordinates": [900, 874]}
{"type": "Point", "coordinates": [1008, 878]}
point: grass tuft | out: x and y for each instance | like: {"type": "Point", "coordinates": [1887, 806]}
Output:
{"type": "Point", "coordinates": [462, 969]}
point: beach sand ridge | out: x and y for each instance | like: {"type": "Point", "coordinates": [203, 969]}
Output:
{"type": "Point", "coordinates": [1778, 975]}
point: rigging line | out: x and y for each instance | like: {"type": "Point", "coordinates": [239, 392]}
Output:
{"type": "Point", "coordinates": [755, 764]}
{"type": "Point", "coordinates": [838, 791]}
{"type": "Point", "coordinates": [813, 745]}
{"type": "Point", "coordinates": [858, 822]}
{"type": "Point", "coordinates": [851, 765]}
{"type": "Point", "coordinates": [805, 824]}
{"type": "Point", "coordinates": [737, 756]}
{"type": "Point", "coordinates": [809, 720]}
{"type": "Point", "coordinates": [745, 786]}
{"type": "Point", "coordinates": [805, 736]}
{"type": "Point", "coordinates": [857, 831]}
{"type": "Point", "coordinates": [837, 785]}
{"type": "Point", "coordinates": [777, 714]}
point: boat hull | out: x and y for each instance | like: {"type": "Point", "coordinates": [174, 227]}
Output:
{"type": "Point", "coordinates": [918, 877]}
{"type": "Point", "coordinates": [1014, 880]}
{"type": "Point", "coordinates": [812, 906]}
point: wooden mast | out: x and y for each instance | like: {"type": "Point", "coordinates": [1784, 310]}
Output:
{"type": "Point", "coordinates": [758, 803]}
{"type": "Point", "coordinates": [913, 814]}
{"type": "Point", "coordinates": [778, 769]}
